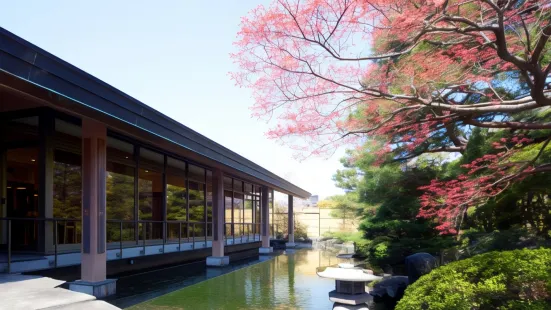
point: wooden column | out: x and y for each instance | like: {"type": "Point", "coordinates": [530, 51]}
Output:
{"type": "Point", "coordinates": [94, 259]}
{"type": "Point", "coordinates": [218, 213]}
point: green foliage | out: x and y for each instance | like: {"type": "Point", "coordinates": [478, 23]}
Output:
{"type": "Point", "coordinates": [473, 242]}
{"type": "Point", "coordinates": [519, 279]}
{"type": "Point", "coordinates": [361, 244]}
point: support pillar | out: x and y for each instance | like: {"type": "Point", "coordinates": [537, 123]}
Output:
{"type": "Point", "coordinates": [290, 224]}
{"type": "Point", "coordinates": [265, 214]}
{"type": "Point", "coordinates": [93, 248]}
{"type": "Point", "coordinates": [218, 258]}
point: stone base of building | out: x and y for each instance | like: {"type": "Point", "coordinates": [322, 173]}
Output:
{"type": "Point", "coordinates": [266, 250]}
{"type": "Point", "coordinates": [290, 244]}
{"type": "Point", "coordinates": [98, 289]}
{"type": "Point", "coordinates": [217, 261]}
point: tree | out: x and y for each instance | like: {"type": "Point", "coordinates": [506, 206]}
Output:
{"type": "Point", "coordinates": [345, 207]}
{"type": "Point", "coordinates": [389, 194]}
{"type": "Point", "coordinates": [418, 75]}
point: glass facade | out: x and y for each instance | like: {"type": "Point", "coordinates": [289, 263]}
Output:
{"type": "Point", "coordinates": [151, 196]}
{"type": "Point", "coordinates": [242, 209]}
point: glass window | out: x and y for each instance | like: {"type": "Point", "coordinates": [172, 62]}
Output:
{"type": "Point", "coordinates": [67, 180]}
{"type": "Point", "coordinates": [18, 130]}
{"type": "Point", "coordinates": [196, 173]}
{"type": "Point", "coordinates": [238, 213]}
{"type": "Point", "coordinates": [120, 181]}
{"type": "Point", "coordinates": [176, 192]}
{"type": "Point", "coordinates": [151, 160]}
{"type": "Point", "coordinates": [248, 211]}
{"type": "Point", "coordinates": [209, 203]}
{"type": "Point", "coordinates": [196, 201]}
{"type": "Point", "coordinates": [248, 189]}
{"type": "Point", "coordinates": [209, 196]}
{"type": "Point", "coordinates": [150, 186]}
{"type": "Point", "coordinates": [119, 187]}
{"type": "Point", "coordinates": [228, 211]}
{"type": "Point", "coordinates": [227, 183]}
{"type": "Point", "coordinates": [237, 185]}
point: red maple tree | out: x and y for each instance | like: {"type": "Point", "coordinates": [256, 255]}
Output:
{"type": "Point", "coordinates": [417, 74]}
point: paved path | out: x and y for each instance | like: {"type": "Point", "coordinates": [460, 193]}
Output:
{"type": "Point", "coordinates": [35, 292]}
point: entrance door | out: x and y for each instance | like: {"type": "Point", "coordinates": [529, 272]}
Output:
{"type": "Point", "coordinates": [22, 184]}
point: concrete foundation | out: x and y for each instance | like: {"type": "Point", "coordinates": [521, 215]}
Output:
{"type": "Point", "coordinates": [99, 289]}
{"type": "Point", "coordinates": [217, 261]}
{"type": "Point", "coordinates": [267, 250]}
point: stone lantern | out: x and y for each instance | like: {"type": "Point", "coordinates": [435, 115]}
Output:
{"type": "Point", "coordinates": [350, 284]}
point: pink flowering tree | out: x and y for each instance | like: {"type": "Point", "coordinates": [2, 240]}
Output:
{"type": "Point", "coordinates": [419, 75]}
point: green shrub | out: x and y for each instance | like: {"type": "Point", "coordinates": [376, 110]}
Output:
{"type": "Point", "coordinates": [519, 279]}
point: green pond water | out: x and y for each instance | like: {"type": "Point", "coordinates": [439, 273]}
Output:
{"type": "Point", "coordinates": [287, 281]}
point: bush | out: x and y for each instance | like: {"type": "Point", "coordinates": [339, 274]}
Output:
{"type": "Point", "coordinates": [473, 242]}
{"type": "Point", "coordinates": [519, 279]}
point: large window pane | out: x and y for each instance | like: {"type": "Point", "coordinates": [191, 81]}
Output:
{"type": "Point", "coordinates": [196, 174]}
{"type": "Point", "coordinates": [227, 183]}
{"type": "Point", "coordinates": [238, 213]}
{"type": "Point", "coordinates": [67, 180]}
{"type": "Point", "coordinates": [176, 193]}
{"type": "Point", "coordinates": [150, 185]}
{"type": "Point", "coordinates": [18, 130]}
{"type": "Point", "coordinates": [228, 211]}
{"type": "Point", "coordinates": [119, 187]}
{"type": "Point", "coordinates": [237, 185]}
{"type": "Point", "coordinates": [196, 202]}
{"type": "Point", "coordinates": [22, 196]}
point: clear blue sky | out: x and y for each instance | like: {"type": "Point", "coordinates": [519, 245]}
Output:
{"type": "Point", "coordinates": [174, 57]}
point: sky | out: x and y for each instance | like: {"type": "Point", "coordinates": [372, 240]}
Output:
{"type": "Point", "coordinates": [174, 57]}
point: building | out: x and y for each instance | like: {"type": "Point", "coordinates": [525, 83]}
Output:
{"type": "Point", "coordinates": [90, 176]}
{"type": "Point", "coordinates": [313, 201]}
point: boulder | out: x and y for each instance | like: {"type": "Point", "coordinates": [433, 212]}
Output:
{"type": "Point", "coordinates": [419, 264]}
{"type": "Point", "coordinates": [390, 288]}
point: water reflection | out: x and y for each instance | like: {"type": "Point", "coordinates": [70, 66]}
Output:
{"type": "Point", "coordinates": [287, 281]}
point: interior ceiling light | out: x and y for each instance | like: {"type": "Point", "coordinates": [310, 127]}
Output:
{"type": "Point", "coordinates": [21, 188]}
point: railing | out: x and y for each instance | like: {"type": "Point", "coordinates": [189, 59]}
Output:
{"type": "Point", "coordinates": [243, 229]}
{"type": "Point", "coordinates": [194, 231]}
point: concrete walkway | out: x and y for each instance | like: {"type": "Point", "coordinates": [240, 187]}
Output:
{"type": "Point", "coordinates": [35, 292]}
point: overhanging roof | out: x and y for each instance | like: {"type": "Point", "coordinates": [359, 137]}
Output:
{"type": "Point", "coordinates": [34, 65]}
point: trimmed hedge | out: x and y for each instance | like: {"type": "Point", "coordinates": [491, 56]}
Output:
{"type": "Point", "coordinates": [519, 279]}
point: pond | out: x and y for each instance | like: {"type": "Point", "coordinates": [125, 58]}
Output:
{"type": "Point", "coordinates": [287, 281]}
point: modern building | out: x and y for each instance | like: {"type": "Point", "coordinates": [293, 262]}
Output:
{"type": "Point", "coordinates": [91, 177]}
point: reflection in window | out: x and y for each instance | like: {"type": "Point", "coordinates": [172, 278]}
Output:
{"type": "Point", "coordinates": [67, 181]}
{"type": "Point", "coordinates": [228, 211]}
{"type": "Point", "coordinates": [196, 202]}
{"type": "Point", "coordinates": [119, 186]}
{"type": "Point", "coordinates": [176, 194]}
{"type": "Point", "coordinates": [237, 185]}
{"type": "Point", "coordinates": [196, 173]}
{"type": "Point", "coordinates": [238, 213]}
{"type": "Point", "coordinates": [150, 186]}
